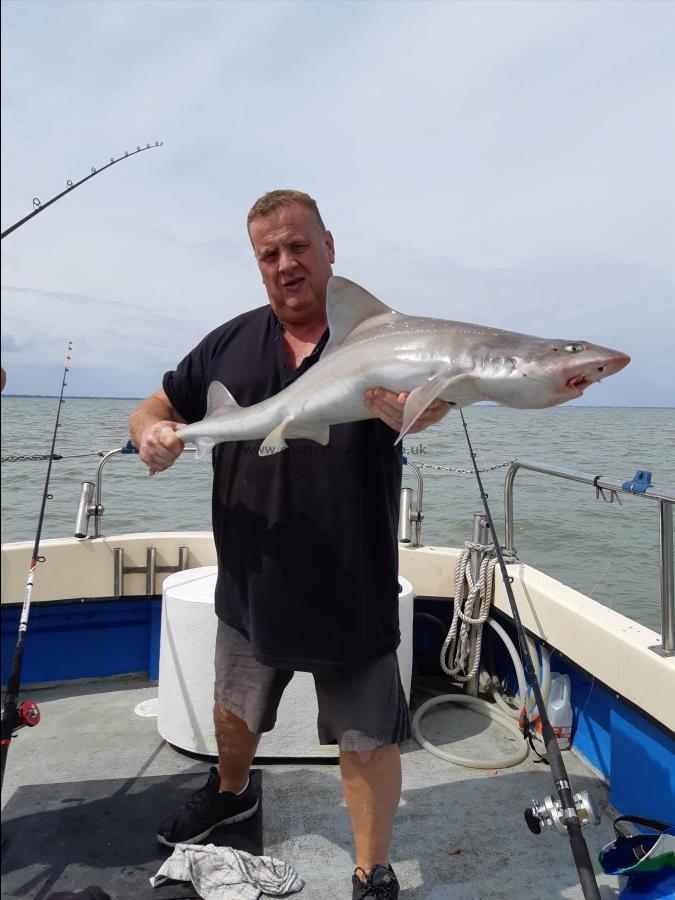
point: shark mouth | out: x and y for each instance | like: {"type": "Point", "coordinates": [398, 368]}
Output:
{"type": "Point", "coordinates": [578, 382]}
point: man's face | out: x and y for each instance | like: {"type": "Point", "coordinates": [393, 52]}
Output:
{"type": "Point", "coordinates": [294, 257]}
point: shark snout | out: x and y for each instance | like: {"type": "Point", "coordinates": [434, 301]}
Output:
{"type": "Point", "coordinates": [605, 364]}
{"type": "Point", "coordinates": [611, 364]}
{"type": "Point", "coordinates": [616, 363]}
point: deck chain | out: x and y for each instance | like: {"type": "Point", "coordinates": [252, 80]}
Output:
{"type": "Point", "coordinates": [37, 457]}
{"type": "Point", "coordinates": [464, 471]}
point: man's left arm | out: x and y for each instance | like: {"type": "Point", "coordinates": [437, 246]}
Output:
{"type": "Point", "coordinates": [388, 406]}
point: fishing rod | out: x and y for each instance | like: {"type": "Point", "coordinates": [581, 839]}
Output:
{"type": "Point", "coordinates": [15, 716]}
{"type": "Point", "coordinates": [40, 207]}
{"type": "Point", "coordinates": [569, 812]}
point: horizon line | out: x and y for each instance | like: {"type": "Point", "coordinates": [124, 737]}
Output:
{"type": "Point", "coordinates": [484, 403]}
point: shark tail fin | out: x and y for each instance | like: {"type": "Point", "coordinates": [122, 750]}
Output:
{"type": "Point", "coordinates": [219, 400]}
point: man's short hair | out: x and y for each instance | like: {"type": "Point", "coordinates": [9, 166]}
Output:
{"type": "Point", "coordinates": [274, 200]}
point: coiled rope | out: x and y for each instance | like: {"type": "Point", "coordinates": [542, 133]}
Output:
{"type": "Point", "coordinates": [457, 648]}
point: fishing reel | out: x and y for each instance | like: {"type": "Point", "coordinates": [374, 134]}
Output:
{"type": "Point", "coordinates": [27, 714]}
{"type": "Point", "coordinates": [550, 813]}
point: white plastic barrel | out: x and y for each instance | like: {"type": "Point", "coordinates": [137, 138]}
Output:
{"type": "Point", "coordinates": [186, 651]}
{"type": "Point", "coordinates": [187, 647]}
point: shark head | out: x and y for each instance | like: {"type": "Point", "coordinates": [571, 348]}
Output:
{"type": "Point", "coordinates": [541, 373]}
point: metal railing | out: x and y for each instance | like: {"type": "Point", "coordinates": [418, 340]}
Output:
{"type": "Point", "coordinates": [91, 505]}
{"type": "Point", "coordinates": [91, 496]}
{"type": "Point", "coordinates": [664, 497]}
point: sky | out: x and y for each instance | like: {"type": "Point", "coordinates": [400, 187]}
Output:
{"type": "Point", "coordinates": [506, 163]}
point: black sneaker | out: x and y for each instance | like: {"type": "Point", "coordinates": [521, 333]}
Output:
{"type": "Point", "coordinates": [381, 884]}
{"type": "Point", "coordinates": [206, 809]}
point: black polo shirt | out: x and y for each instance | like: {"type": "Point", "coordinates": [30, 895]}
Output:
{"type": "Point", "coordinates": [306, 538]}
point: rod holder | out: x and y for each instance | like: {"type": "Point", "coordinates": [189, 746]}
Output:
{"type": "Point", "coordinates": [84, 510]}
{"type": "Point", "coordinates": [408, 515]}
{"type": "Point", "coordinates": [182, 558]}
{"type": "Point", "coordinates": [118, 571]}
{"type": "Point", "coordinates": [404, 520]}
{"type": "Point", "coordinates": [150, 569]}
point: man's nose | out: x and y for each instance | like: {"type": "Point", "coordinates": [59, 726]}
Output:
{"type": "Point", "coordinates": [287, 260]}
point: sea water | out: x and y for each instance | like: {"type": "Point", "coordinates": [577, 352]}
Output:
{"type": "Point", "coordinates": [608, 551]}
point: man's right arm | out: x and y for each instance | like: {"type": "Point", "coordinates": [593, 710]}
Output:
{"type": "Point", "coordinates": [152, 426]}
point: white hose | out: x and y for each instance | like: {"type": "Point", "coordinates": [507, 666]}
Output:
{"type": "Point", "coordinates": [485, 709]}
{"type": "Point", "coordinates": [545, 676]}
{"type": "Point", "coordinates": [505, 714]}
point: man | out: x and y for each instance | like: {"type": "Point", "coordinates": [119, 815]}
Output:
{"type": "Point", "coordinates": [307, 548]}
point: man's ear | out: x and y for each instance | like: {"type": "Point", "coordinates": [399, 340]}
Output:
{"type": "Point", "coordinates": [330, 244]}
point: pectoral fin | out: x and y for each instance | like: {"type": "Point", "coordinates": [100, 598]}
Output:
{"type": "Point", "coordinates": [275, 441]}
{"type": "Point", "coordinates": [423, 396]}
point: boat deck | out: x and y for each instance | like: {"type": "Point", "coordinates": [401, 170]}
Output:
{"type": "Point", "coordinates": [459, 834]}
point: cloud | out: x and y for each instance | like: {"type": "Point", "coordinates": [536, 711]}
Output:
{"type": "Point", "coordinates": [506, 161]}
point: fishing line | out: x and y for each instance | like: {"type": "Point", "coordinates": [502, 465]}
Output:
{"type": "Point", "coordinates": [611, 562]}
{"type": "Point", "coordinates": [568, 811]}
{"type": "Point", "coordinates": [40, 207]}
{"type": "Point", "coordinates": [13, 715]}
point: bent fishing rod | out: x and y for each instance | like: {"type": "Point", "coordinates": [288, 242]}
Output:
{"type": "Point", "coordinates": [570, 811]}
{"type": "Point", "coordinates": [15, 716]}
{"type": "Point", "coordinates": [40, 207]}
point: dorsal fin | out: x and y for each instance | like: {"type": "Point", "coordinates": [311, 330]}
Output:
{"type": "Point", "coordinates": [219, 400]}
{"type": "Point", "coordinates": [347, 307]}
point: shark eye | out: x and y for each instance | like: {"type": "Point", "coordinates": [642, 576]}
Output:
{"type": "Point", "coordinates": [574, 348]}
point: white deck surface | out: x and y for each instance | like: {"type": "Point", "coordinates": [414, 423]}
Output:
{"type": "Point", "coordinates": [90, 731]}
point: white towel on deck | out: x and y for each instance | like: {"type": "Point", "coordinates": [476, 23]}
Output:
{"type": "Point", "coordinates": [222, 873]}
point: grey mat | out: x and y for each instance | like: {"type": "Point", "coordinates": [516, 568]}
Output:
{"type": "Point", "coordinates": [70, 835]}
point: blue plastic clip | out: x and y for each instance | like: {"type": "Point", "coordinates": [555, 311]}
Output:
{"type": "Point", "coordinates": [129, 448]}
{"type": "Point", "coordinates": [641, 481]}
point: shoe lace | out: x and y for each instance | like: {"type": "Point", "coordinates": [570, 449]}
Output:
{"type": "Point", "coordinates": [197, 798]}
{"type": "Point", "coordinates": [378, 891]}
{"type": "Point", "coordinates": [368, 889]}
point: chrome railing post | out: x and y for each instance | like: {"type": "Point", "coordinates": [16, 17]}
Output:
{"type": "Point", "coordinates": [98, 495]}
{"type": "Point", "coordinates": [420, 496]}
{"type": "Point", "coordinates": [509, 540]}
{"type": "Point", "coordinates": [667, 586]}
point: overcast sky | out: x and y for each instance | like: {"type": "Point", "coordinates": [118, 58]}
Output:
{"type": "Point", "coordinates": [509, 163]}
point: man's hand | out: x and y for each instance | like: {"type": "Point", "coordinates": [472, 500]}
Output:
{"type": "Point", "coordinates": [388, 406]}
{"type": "Point", "coordinates": [160, 447]}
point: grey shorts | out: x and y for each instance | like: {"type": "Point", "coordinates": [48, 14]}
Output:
{"type": "Point", "coordinates": [361, 707]}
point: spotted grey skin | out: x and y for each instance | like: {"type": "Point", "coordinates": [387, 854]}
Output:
{"type": "Point", "coordinates": [372, 345]}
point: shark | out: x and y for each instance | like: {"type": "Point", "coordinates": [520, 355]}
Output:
{"type": "Point", "coordinates": [371, 345]}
